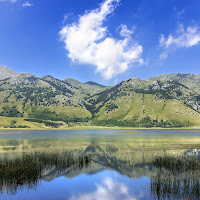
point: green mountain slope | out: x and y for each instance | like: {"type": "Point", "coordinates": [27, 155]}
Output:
{"type": "Point", "coordinates": [169, 100]}
{"type": "Point", "coordinates": [135, 100]}
{"type": "Point", "coordinates": [84, 89]}
{"type": "Point", "coordinates": [95, 84]}
{"type": "Point", "coordinates": [27, 91]}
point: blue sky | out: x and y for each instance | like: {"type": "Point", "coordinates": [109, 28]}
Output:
{"type": "Point", "coordinates": [103, 41]}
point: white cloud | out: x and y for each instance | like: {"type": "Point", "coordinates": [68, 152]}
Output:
{"type": "Point", "coordinates": [184, 38]}
{"type": "Point", "coordinates": [125, 32]}
{"type": "Point", "coordinates": [108, 190]}
{"type": "Point", "coordinates": [87, 42]}
{"type": "Point", "coordinates": [27, 4]}
{"type": "Point", "coordinates": [163, 55]}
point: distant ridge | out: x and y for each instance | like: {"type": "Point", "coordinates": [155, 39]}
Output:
{"type": "Point", "coordinates": [96, 84]}
{"type": "Point", "coordinates": [6, 72]}
{"type": "Point", "coordinates": [192, 81]}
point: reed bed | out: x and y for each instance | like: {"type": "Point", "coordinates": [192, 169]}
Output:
{"type": "Point", "coordinates": [177, 164]}
{"type": "Point", "coordinates": [26, 171]}
{"type": "Point", "coordinates": [170, 186]}
{"type": "Point", "coordinates": [178, 177]}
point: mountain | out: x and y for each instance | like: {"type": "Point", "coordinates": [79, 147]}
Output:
{"type": "Point", "coordinates": [137, 100]}
{"type": "Point", "coordinates": [85, 88]}
{"type": "Point", "coordinates": [95, 84]}
{"type": "Point", "coordinates": [192, 81]}
{"type": "Point", "coordinates": [32, 96]}
{"type": "Point", "coordinates": [170, 100]}
{"type": "Point", "coordinates": [6, 72]}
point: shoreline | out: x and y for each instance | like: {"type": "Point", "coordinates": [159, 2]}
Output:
{"type": "Point", "coordinates": [98, 128]}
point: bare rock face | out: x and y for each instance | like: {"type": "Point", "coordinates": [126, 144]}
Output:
{"type": "Point", "coordinates": [25, 79]}
{"type": "Point", "coordinates": [6, 72]}
{"type": "Point", "coordinates": [192, 81]}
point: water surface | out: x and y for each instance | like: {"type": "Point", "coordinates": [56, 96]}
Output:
{"type": "Point", "coordinates": [99, 164]}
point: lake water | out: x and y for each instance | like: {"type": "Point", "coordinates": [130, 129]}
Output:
{"type": "Point", "coordinates": [99, 164]}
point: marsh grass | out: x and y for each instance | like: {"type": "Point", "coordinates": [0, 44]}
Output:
{"type": "Point", "coordinates": [178, 177]}
{"type": "Point", "coordinates": [177, 164]}
{"type": "Point", "coordinates": [19, 173]}
{"type": "Point", "coordinates": [171, 186]}
{"type": "Point", "coordinates": [26, 171]}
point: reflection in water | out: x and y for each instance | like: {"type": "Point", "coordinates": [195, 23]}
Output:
{"type": "Point", "coordinates": [170, 177]}
{"type": "Point", "coordinates": [19, 173]}
{"type": "Point", "coordinates": [107, 190]}
{"type": "Point", "coordinates": [178, 177]}
{"type": "Point", "coordinates": [28, 170]}
{"type": "Point", "coordinates": [176, 186]}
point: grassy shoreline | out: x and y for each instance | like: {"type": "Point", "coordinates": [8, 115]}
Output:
{"type": "Point", "coordinates": [103, 127]}
{"type": "Point", "coordinates": [14, 123]}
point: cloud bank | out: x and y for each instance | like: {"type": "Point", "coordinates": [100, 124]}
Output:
{"type": "Point", "coordinates": [184, 38]}
{"type": "Point", "coordinates": [87, 42]}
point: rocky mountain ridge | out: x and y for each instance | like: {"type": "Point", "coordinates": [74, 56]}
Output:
{"type": "Point", "coordinates": [167, 99]}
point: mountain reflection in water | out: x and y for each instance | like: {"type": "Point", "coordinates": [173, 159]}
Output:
{"type": "Point", "coordinates": [100, 165]}
{"type": "Point", "coordinates": [29, 169]}
{"type": "Point", "coordinates": [171, 177]}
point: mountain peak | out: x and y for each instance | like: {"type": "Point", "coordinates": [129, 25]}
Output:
{"type": "Point", "coordinates": [6, 72]}
{"type": "Point", "coordinates": [47, 76]}
{"type": "Point", "coordinates": [26, 79]}
{"type": "Point", "coordinates": [71, 81]}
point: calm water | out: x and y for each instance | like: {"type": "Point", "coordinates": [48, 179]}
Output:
{"type": "Point", "coordinates": [99, 164]}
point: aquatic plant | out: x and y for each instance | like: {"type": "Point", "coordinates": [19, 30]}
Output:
{"type": "Point", "coordinates": [177, 164]}
{"type": "Point", "coordinates": [174, 186]}
{"type": "Point", "coordinates": [178, 177]}
{"type": "Point", "coordinates": [19, 173]}
{"type": "Point", "coordinates": [26, 171]}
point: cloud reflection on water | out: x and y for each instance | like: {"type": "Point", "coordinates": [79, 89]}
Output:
{"type": "Point", "coordinates": [109, 189]}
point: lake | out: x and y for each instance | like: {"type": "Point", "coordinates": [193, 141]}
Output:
{"type": "Point", "coordinates": [108, 164]}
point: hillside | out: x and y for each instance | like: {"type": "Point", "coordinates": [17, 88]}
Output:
{"type": "Point", "coordinates": [32, 96]}
{"type": "Point", "coordinates": [192, 81]}
{"type": "Point", "coordinates": [170, 100]}
{"type": "Point", "coordinates": [85, 89]}
{"type": "Point", "coordinates": [144, 101]}
{"type": "Point", "coordinates": [95, 84]}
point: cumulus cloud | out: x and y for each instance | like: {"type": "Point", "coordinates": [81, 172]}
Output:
{"type": "Point", "coordinates": [184, 38]}
{"type": "Point", "coordinates": [27, 4]}
{"type": "Point", "coordinates": [108, 190]}
{"type": "Point", "coordinates": [87, 42]}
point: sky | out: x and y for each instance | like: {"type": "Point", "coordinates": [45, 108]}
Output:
{"type": "Point", "coordinates": [103, 41]}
